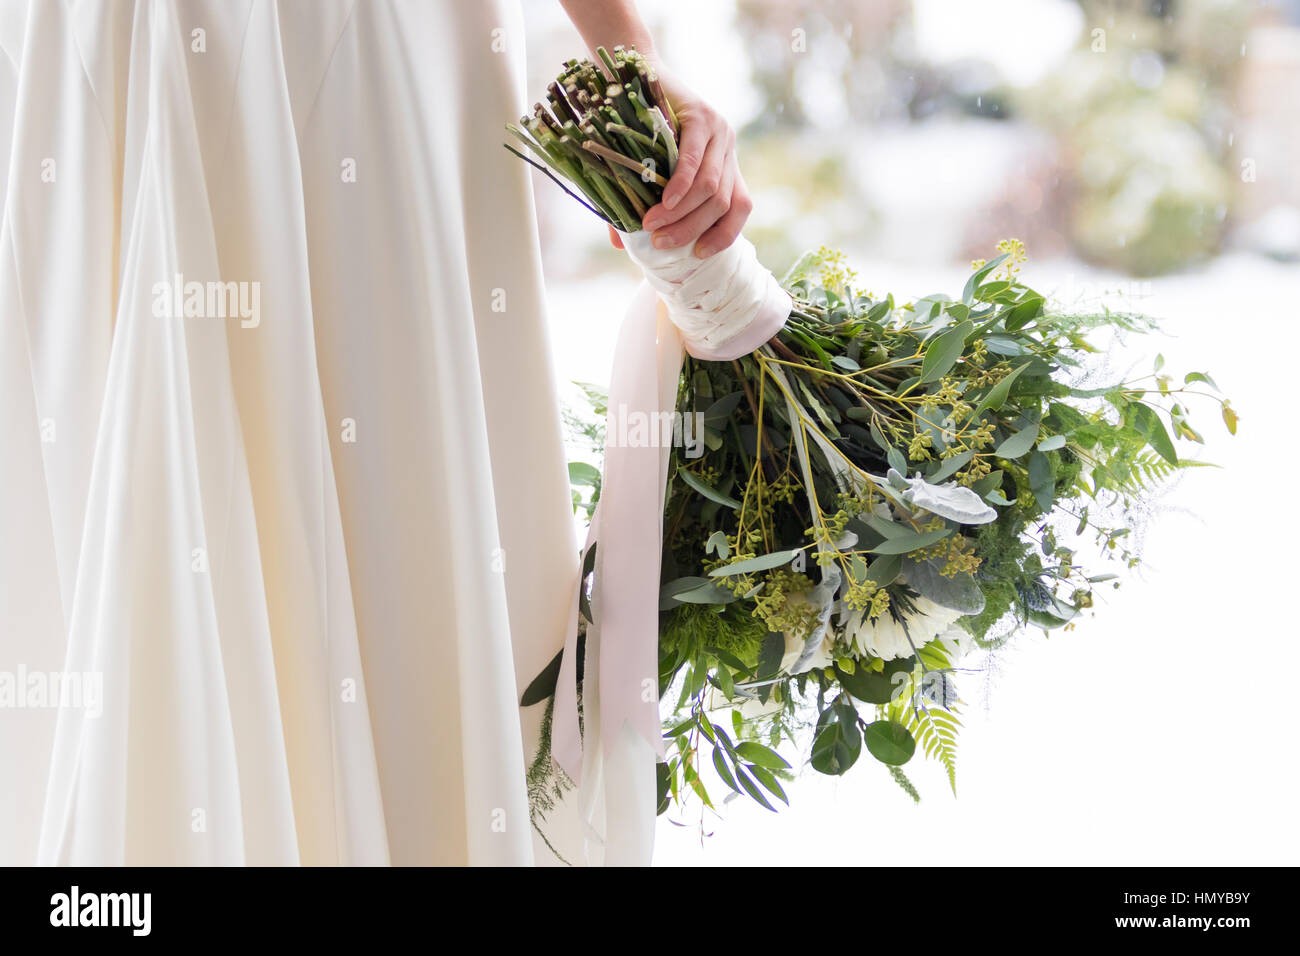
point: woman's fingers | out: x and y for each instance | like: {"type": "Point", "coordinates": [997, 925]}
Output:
{"type": "Point", "coordinates": [694, 224]}
{"type": "Point", "coordinates": [724, 232]}
{"type": "Point", "coordinates": [719, 159]}
{"type": "Point", "coordinates": [615, 239]}
{"type": "Point", "coordinates": [719, 155]}
{"type": "Point", "coordinates": [705, 203]}
{"type": "Point", "coordinates": [690, 154]}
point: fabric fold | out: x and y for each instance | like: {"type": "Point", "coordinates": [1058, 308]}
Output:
{"type": "Point", "coordinates": [269, 519]}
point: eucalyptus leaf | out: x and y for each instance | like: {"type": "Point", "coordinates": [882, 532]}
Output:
{"type": "Point", "coordinates": [911, 542]}
{"type": "Point", "coordinates": [717, 543]}
{"type": "Point", "coordinates": [978, 276]}
{"type": "Point", "coordinates": [997, 395]}
{"type": "Point", "coordinates": [763, 562]}
{"type": "Point", "coordinates": [711, 493]}
{"type": "Point", "coordinates": [721, 410]}
{"type": "Point", "coordinates": [885, 569]}
{"type": "Point", "coordinates": [958, 592]}
{"type": "Point", "coordinates": [693, 590]}
{"type": "Point", "coordinates": [1019, 443]}
{"type": "Point", "coordinates": [950, 466]}
{"type": "Point", "coordinates": [943, 352]}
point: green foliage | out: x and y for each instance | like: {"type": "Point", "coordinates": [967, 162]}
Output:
{"type": "Point", "coordinates": [698, 628]}
{"type": "Point", "coordinates": [546, 782]}
{"type": "Point", "coordinates": [873, 473]}
{"type": "Point", "coordinates": [974, 394]}
{"type": "Point", "coordinates": [934, 728]}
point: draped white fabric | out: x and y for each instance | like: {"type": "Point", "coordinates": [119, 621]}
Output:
{"type": "Point", "coordinates": [311, 549]}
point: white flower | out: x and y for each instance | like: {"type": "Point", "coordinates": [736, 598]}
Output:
{"type": "Point", "coordinates": [823, 656]}
{"type": "Point", "coordinates": [885, 638]}
{"type": "Point", "coordinates": [958, 642]}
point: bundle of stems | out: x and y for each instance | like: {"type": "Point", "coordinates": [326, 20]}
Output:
{"type": "Point", "coordinates": [608, 130]}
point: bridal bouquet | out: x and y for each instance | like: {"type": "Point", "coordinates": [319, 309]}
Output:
{"type": "Point", "coordinates": [876, 490]}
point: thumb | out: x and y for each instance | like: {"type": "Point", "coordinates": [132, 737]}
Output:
{"type": "Point", "coordinates": [614, 239]}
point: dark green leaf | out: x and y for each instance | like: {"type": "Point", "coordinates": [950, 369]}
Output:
{"type": "Point", "coordinates": [720, 410]}
{"type": "Point", "coordinates": [889, 742]}
{"type": "Point", "coordinates": [872, 687]}
{"type": "Point", "coordinates": [837, 745]}
{"type": "Point", "coordinates": [543, 685]}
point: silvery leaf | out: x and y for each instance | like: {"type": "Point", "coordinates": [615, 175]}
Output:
{"type": "Point", "coordinates": [949, 500]}
{"type": "Point", "coordinates": [959, 592]}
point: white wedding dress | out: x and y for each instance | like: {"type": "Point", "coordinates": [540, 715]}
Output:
{"type": "Point", "coordinates": [314, 549]}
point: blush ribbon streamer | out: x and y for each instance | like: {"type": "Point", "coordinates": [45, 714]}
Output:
{"type": "Point", "coordinates": [716, 309]}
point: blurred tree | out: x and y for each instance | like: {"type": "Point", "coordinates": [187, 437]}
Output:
{"type": "Point", "coordinates": [806, 52]}
{"type": "Point", "coordinates": [1142, 113]}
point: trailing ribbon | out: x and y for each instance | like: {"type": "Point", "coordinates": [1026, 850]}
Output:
{"type": "Point", "coordinates": [716, 309]}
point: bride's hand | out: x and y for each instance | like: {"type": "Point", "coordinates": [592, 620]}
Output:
{"type": "Point", "coordinates": [705, 202]}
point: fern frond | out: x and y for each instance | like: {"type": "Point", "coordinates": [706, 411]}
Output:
{"type": "Point", "coordinates": [934, 729]}
{"type": "Point", "coordinates": [1149, 470]}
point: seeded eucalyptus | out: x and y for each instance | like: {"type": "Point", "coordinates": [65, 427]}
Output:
{"type": "Point", "coordinates": [881, 487]}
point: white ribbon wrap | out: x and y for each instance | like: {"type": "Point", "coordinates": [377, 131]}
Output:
{"type": "Point", "coordinates": [718, 309]}
{"type": "Point", "coordinates": [725, 306]}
